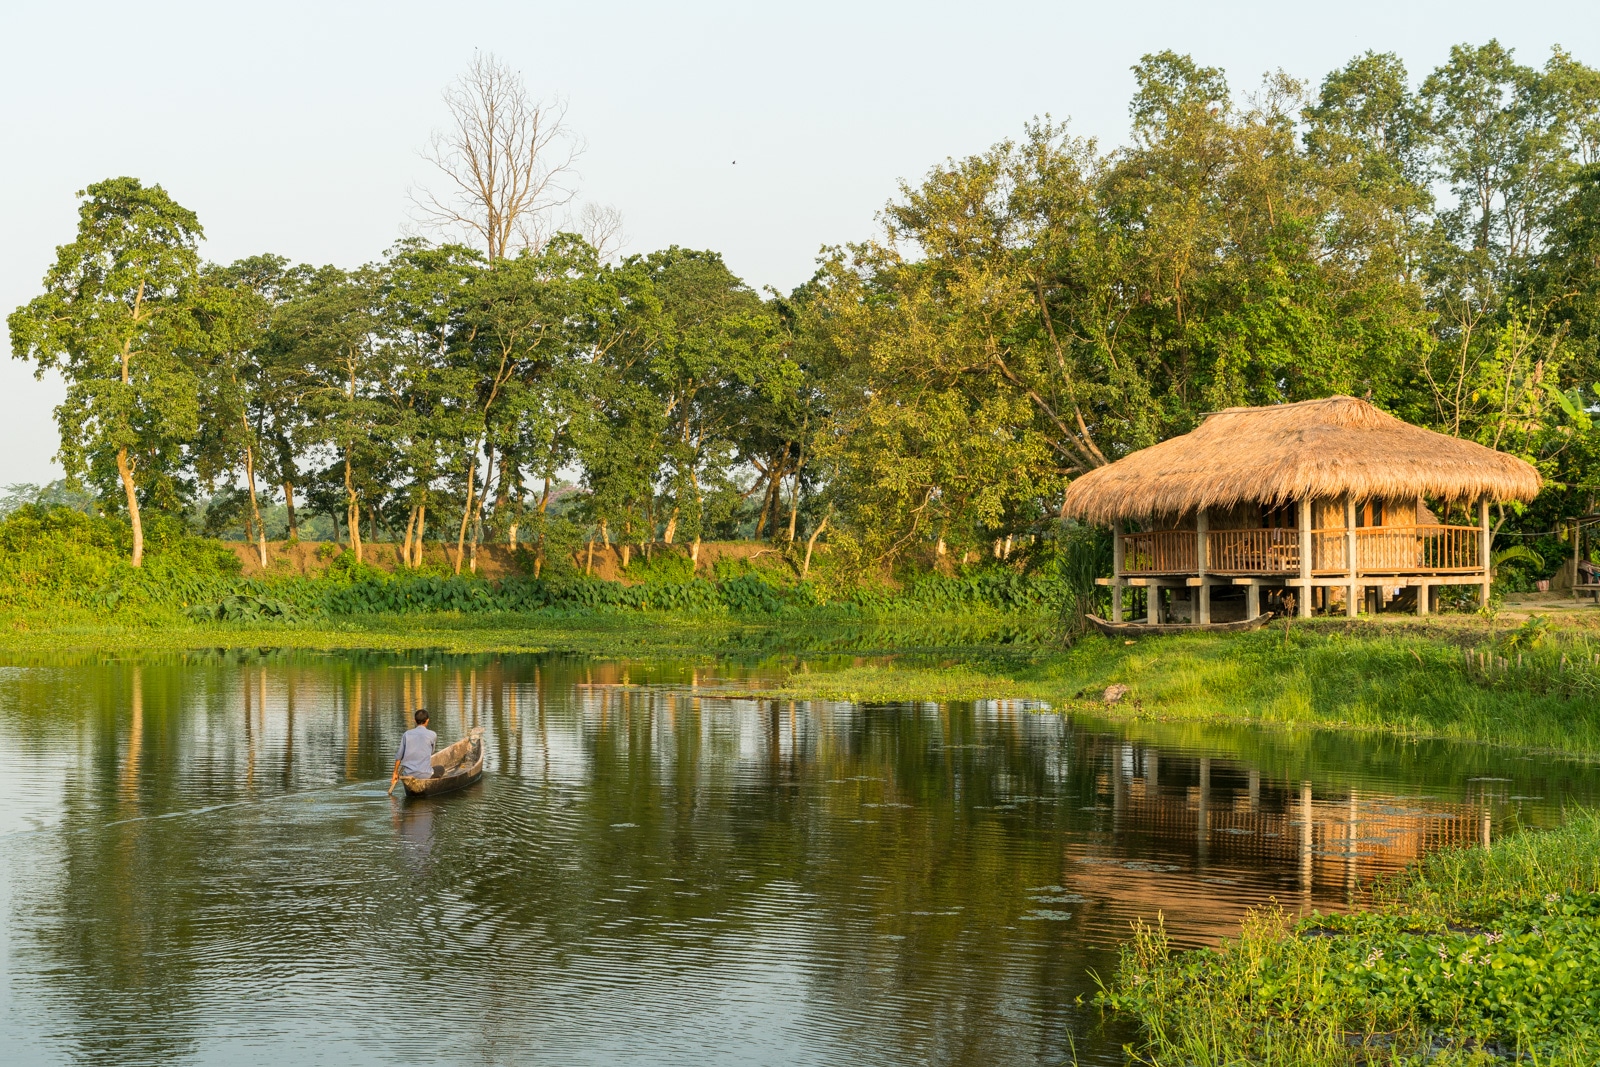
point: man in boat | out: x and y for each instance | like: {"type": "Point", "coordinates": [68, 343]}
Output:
{"type": "Point", "coordinates": [415, 758]}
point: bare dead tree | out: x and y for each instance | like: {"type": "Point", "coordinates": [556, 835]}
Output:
{"type": "Point", "coordinates": [601, 226]}
{"type": "Point", "coordinates": [508, 160]}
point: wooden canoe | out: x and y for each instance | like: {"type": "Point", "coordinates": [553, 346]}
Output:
{"type": "Point", "coordinates": [1147, 629]}
{"type": "Point", "coordinates": [454, 767]}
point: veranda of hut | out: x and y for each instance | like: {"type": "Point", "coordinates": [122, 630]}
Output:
{"type": "Point", "coordinates": [1323, 506]}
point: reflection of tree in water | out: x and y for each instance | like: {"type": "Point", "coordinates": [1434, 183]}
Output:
{"type": "Point", "coordinates": [914, 881]}
{"type": "Point", "coordinates": [865, 844]}
{"type": "Point", "coordinates": [110, 923]}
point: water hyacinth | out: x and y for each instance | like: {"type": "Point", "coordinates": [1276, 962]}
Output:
{"type": "Point", "coordinates": [1475, 957]}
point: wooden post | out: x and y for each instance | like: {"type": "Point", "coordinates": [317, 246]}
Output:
{"type": "Point", "coordinates": [1304, 604]}
{"type": "Point", "coordinates": [1116, 571]}
{"type": "Point", "coordinates": [1484, 546]}
{"type": "Point", "coordinates": [1352, 605]}
{"type": "Point", "coordinates": [1424, 591]}
{"type": "Point", "coordinates": [1202, 612]}
{"type": "Point", "coordinates": [1577, 533]}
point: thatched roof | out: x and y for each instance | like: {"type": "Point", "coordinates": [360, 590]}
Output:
{"type": "Point", "coordinates": [1275, 455]}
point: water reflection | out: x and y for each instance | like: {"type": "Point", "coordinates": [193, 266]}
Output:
{"type": "Point", "coordinates": [654, 870]}
{"type": "Point", "coordinates": [414, 825]}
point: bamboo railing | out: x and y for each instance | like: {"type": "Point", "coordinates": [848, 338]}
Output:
{"type": "Point", "coordinates": [1274, 551]}
{"type": "Point", "coordinates": [1421, 549]}
{"type": "Point", "coordinates": [1413, 549]}
{"type": "Point", "coordinates": [1159, 552]}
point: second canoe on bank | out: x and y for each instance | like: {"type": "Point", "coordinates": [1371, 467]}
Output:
{"type": "Point", "coordinates": [454, 767]}
{"type": "Point", "coordinates": [1151, 629]}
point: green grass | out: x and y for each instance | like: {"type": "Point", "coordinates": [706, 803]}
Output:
{"type": "Point", "coordinates": [1408, 679]}
{"type": "Point", "coordinates": [1476, 956]}
{"type": "Point", "coordinates": [984, 633]}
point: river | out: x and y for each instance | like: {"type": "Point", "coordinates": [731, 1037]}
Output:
{"type": "Point", "coordinates": [198, 862]}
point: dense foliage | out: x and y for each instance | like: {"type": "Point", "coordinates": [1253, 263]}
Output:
{"type": "Point", "coordinates": [54, 558]}
{"type": "Point", "coordinates": [1024, 314]}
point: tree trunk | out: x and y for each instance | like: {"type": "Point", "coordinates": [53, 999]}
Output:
{"type": "Point", "coordinates": [811, 543]}
{"type": "Point", "coordinates": [249, 528]}
{"type": "Point", "coordinates": [125, 472]}
{"type": "Point", "coordinates": [353, 507]}
{"type": "Point", "coordinates": [504, 503]}
{"type": "Point", "coordinates": [794, 505]}
{"type": "Point", "coordinates": [288, 501]}
{"type": "Point", "coordinates": [588, 564]}
{"type": "Point", "coordinates": [477, 514]}
{"type": "Point", "coordinates": [255, 503]}
{"type": "Point", "coordinates": [672, 527]}
{"type": "Point", "coordinates": [766, 502]}
{"type": "Point", "coordinates": [405, 546]}
{"type": "Point", "coordinates": [466, 512]}
{"type": "Point", "coordinates": [422, 525]}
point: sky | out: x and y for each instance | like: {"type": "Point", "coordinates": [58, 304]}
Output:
{"type": "Point", "coordinates": [762, 131]}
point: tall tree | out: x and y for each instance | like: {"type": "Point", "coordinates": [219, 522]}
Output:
{"type": "Point", "coordinates": [115, 320]}
{"type": "Point", "coordinates": [507, 161]}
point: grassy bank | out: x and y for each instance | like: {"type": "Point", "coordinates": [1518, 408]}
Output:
{"type": "Point", "coordinates": [1533, 685]}
{"type": "Point", "coordinates": [1475, 957]}
{"type": "Point", "coordinates": [984, 632]}
{"type": "Point", "coordinates": [1536, 684]}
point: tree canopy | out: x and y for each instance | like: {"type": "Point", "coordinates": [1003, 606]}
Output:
{"type": "Point", "coordinates": [1019, 316]}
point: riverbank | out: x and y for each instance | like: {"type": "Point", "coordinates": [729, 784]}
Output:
{"type": "Point", "coordinates": [1476, 956]}
{"type": "Point", "coordinates": [1533, 683]}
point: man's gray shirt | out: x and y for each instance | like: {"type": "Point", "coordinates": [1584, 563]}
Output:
{"type": "Point", "coordinates": [416, 752]}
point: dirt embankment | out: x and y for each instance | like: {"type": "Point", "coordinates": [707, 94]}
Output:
{"type": "Point", "coordinates": [494, 561]}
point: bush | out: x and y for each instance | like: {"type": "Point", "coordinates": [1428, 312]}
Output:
{"type": "Point", "coordinates": [50, 557]}
{"type": "Point", "coordinates": [53, 557]}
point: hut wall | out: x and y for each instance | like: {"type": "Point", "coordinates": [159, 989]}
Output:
{"type": "Point", "coordinates": [1401, 512]}
{"type": "Point", "coordinates": [1238, 517]}
{"type": "Point", "coordinates": [1329, 514]}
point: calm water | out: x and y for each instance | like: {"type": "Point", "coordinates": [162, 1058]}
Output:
{"type": "Point", "coordinates": [198, 863]}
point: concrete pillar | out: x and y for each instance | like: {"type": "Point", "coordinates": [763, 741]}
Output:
{"type": "Point", "coordinates": [1252, 600]}
{"type": "Point", "coordinates": [1202, 611]}
{"type": "Point", "coordinates": [1352, 601]}
{"type": "Point", "coordinates": [1424, 594]}
{"type": "Point", "coordinates": [1116, 570]}
{"type": "Point", "coordinates": [1485, 547]}
{"type": "Point", "coordinates": [1304, 599]}
{"type": "Point", "coordinates": [1152, 603]}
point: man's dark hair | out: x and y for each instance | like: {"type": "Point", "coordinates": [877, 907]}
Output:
{"type": "Point", "coordinates": [421, 716]}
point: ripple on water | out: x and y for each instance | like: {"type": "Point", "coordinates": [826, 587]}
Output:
{"type": "Point", "coordinates": [642, 877]}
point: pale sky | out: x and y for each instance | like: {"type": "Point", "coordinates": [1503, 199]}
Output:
{"type": "Point", "coordinates": [763, 131]}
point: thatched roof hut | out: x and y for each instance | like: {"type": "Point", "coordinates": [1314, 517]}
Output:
{"type": "Point", "coordinates": [1288, 452]}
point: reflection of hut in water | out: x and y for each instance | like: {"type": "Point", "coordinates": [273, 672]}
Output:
{"type": "Point", "coordinates": [1226, 816]}
{"type": "Point", "coordinates": [1326, 498]}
